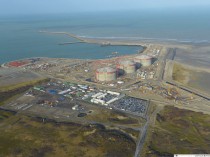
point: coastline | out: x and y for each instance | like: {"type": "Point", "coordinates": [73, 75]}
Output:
{"type": "Point", "coordinates": [115, 41]}
{"type": "Point", "coordinates": [130, 41]}
{"type": "Point", "coordinates": [79, 71]}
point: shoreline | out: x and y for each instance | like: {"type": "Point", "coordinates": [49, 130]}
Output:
{"type": "Point", "coordinates": [132, 41]}
{"type": "Point", "coordinates": [83, 40]}
{"type": "Point", "coordinates": [109, 41]}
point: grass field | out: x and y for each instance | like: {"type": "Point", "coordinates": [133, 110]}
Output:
{"type": "Point", "coordinates": [178, 131]}
{"type": "Point", "coordinates": [20, 85]}
{"type": "Point", "coordinates": [27, 136]}
{"type": "Point", "coordinates": [114, 117]}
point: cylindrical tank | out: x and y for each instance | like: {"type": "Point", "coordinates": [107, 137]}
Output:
{"type": "Point", "coordinates": [106, 74]}
{"type": "Point", "coordinates": [143, 60]}
{"type": "Point", "coordinates": [126, 66]}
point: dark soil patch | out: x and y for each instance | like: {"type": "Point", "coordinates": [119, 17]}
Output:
{"type": "Point", "coordinates": [82, 115]}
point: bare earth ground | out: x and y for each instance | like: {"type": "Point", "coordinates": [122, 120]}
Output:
{"type": "Point", "coordinates": [198, 56]}
{"type": "Point", "coordinates": [194, 68]}
{"type": "Point", "coordinates": [187, 75]}
{"type": "Point", "coordinates": [192, 77]}
{"type": "Point", "coordinates": [13, 76]}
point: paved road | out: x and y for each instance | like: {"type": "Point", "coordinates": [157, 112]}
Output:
{"type": "Point", "coordinates": [142, 138]}
{"type": "Point", "coordinates": [171, 53]}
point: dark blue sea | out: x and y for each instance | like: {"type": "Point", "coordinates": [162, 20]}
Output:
{"type": "Point", "coordinates": [20, 36]}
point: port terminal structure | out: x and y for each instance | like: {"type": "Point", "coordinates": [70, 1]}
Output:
{"type": "Point", "coordinates": [102, 42]}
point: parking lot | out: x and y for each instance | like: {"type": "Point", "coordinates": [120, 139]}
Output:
{"type": "Point", "coordinates": [131, 105]}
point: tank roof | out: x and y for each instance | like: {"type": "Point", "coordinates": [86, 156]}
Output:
{"type": "Point", "coordinates": [106, 69]}
{"type": "Point", "coordinates": [126, 62]}
{"type": "Point", "coordinates": [143, 57]}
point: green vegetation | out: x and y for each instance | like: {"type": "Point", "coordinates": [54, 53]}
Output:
{"type": "Point", "coordinates": [5, 114]}
{"type": "Point", "coordinates": [114, 117]}
{"type": "Point", "coordinates": [131, 132]}
{"type": "Point", "coordinates": [178, 131]}
{"type": "Point", "coordinates": [31, 137]}
{"type": "Point", "coordinates": [20, 85]}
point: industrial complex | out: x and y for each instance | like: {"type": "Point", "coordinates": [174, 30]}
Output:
{"type": "Point", "coordinates": [108, 81]}
{"type": "Point", "coordinates": [77, 90]}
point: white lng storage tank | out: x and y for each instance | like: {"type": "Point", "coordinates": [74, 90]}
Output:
{"type": "Point", "coordinates": [106, 74]}
{"type": "Point", "coordinates": [143, 60]}
{"type": "Point", "coordinates": [126, 66]}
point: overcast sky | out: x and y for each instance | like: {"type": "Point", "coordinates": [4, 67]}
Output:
{"type": "Point", "coordinates": [68, 6]}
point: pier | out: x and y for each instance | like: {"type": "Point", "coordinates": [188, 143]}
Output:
{"type": "Point", "coordinates": [102, 42]}
{"type": "Point", "coordinates": [67, 43]}
{"type": "Point", "coordinates": [65, 33]}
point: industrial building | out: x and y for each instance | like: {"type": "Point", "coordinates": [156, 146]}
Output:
{"type": "Point", "coordinates": [17, 63]}
{"type": "Point", "coordinates": [105, 98]}
{"type": "Point", "coordinates": [143, 60]}
{"type": "Point", "coordinates": [126, 67]}
{"type": "Point", "coordinates": [106, 74]}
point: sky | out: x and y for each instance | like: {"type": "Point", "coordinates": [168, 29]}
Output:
{"type": "Point", "coordinates": [69, 6]}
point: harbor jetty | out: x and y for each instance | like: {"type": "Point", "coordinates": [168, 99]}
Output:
{"type": "Point", "coordinates": [102, 42]}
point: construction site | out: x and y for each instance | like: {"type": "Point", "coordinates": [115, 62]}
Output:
{"type": "Point", "coordinates": [115, 72]}
{"type": "Point", "coordinates": [140, 76]}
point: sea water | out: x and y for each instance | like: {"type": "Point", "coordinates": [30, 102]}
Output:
{"type": "Point", "coordinates": [20, 36]}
